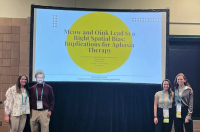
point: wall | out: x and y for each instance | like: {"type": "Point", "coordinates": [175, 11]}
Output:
{"type": "Point", "coordinates": [14, 54]}
{"type": "Point", "coordinates": [184, 11]}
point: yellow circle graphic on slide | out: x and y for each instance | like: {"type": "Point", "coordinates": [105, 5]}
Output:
{"type": "Point", "coordinates": [99, 42]}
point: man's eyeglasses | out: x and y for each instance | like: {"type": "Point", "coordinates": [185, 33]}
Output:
{"type": "Point", "coordinates": [40, 77]}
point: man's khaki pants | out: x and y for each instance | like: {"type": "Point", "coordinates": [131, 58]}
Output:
{"type": "Point", "coordinates": [39, 119]}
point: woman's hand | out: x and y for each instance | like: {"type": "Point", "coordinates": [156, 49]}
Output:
{"type": "Point", "coordinates": [156, 120]}
{"type": "Point", "coordinates": [186, 120]}
{"type": "Point", "coordinates": [6, 118]}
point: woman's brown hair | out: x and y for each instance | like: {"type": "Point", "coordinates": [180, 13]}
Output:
{"type": "Point", "coordinates": [18, 84]}
{"type": "Point", "coordinates": [169, 89]}
{"type": "Point", "coordinates": [186, 83]}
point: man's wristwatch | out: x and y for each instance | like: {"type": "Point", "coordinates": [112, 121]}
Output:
{"type": "Point", "coordinates": [155, 116]}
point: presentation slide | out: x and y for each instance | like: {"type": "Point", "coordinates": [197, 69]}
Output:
{"type": "Point", "coordinates": [99, 46]}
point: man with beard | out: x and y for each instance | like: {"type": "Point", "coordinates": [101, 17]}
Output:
{"type": "Point", "coordinates": [42, 104]}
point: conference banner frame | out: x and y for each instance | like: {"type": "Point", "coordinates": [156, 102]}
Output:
{"type": "Point", "coordinates": [33, 7]}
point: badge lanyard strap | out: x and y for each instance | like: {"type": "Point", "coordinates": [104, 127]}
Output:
{"type": "Point", "coordinates": [25, 96]}
{"type": "Point", "coordinates": [163, 100]}
{"type": "Point", "coordinates": [37, 93]}
{"type": "Point", "coordinates": [181, 94]}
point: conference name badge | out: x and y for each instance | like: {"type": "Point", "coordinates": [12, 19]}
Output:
{"type": "Point", "coordinates": [39, 105]}
{"type": "Point", "coordinates": [23, 108]}
{"type": "Point", "coordinates": [166, 115]}
{"type": "Point", "coordinates": [178, 111]}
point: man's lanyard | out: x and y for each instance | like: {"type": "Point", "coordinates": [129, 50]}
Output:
{"type": "Point", "coordinates": [167, 100]}
{"type": "Point", "coordinates": [37, 93]}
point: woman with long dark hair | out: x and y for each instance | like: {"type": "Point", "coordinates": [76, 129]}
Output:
{"type": "Point", "coordinates": [163, 113]}
{"type": "Point", "coordinates": [17, 104]}
{"type": "Point", "coordinates": [183, 103]}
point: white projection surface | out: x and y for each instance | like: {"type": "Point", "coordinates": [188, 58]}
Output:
{"type": "Point", "coordinates": [99, 46]}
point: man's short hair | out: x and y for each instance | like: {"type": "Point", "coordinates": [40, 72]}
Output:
{"type": "Point", "coordinates": [39, 72]}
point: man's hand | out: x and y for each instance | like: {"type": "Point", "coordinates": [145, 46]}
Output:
{"type": "Point", "coordinates": [49, 114]}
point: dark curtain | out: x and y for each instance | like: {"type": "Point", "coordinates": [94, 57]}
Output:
{"type": "Point", "coordinates": [102, 107]}
{"type": "Point", "coordinates": [90, 107]}
{"type": "Point", "coordinates": [184, 56]}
